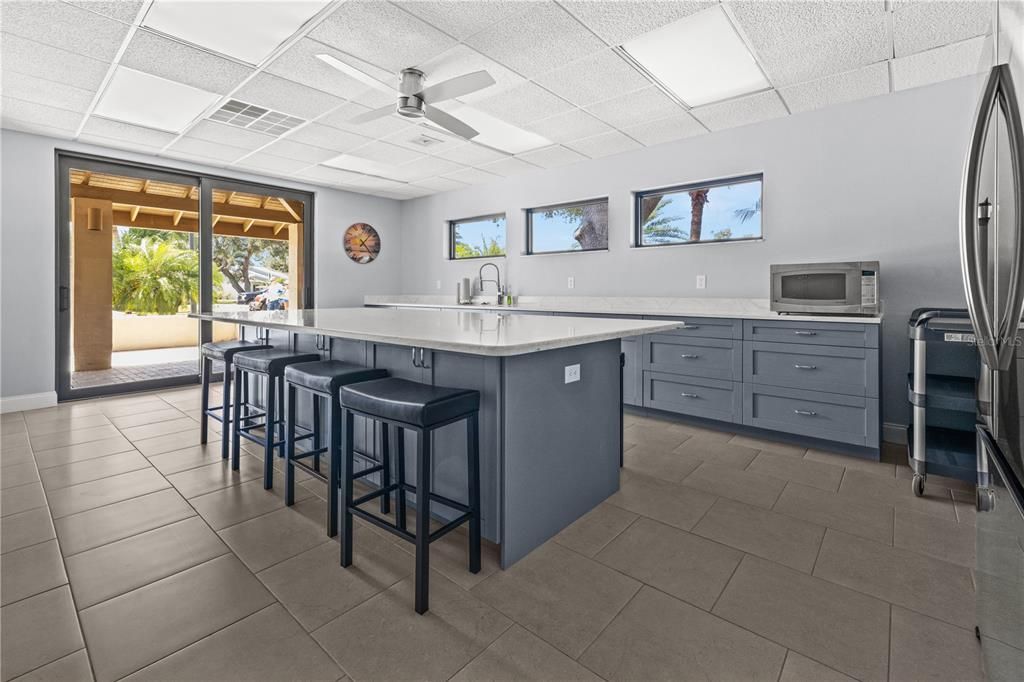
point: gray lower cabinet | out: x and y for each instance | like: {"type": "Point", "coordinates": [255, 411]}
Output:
{"type": "Point", "coordinates": [696, 396]}
{"type": "Point", "coordinates": [632, 372]}
{"type": "Point", "coordinates": [830, 416]}
{"type": "Point", "coordinates": [834, 369]}
{"type": "Point", "coordinates": [699, 357]}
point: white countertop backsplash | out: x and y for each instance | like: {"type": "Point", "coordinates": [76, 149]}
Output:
{"type": "Point", "coordinates": [748, 308]}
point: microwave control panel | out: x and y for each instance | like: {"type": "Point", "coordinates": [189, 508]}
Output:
{"type": "Point", "coordinates": [868, 287]}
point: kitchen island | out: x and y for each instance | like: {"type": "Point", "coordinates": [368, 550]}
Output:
{"type": "Point", "coordinates": [549, 443]}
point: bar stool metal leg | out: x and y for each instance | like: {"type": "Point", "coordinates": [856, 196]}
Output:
{"type": "Point", "coordinates": [422, 521]}
{"type": "Point", "coordinates": [385, 473]}
{"type": "Point", "coordinates": [316, 432]}
{"type": "Point", "coordinates": [225, 410]}
{"type": "Point", "coordinates": [280, 414]}
{"type": "Point", "coordinates": [236, 422]}
{"type": "Point", "coordinates": [204, 399]}
{"type": "Point", "coordinates": [473, 476]}
{"type": "Point", "coordinates": [347, 463]}
{"type": "Point", "coordinates": [400, 509]}
{"type": "Point", "coordinates": [334, 462]}
{"type": "Point", "coordinates": [289, 460]}
{"type": "Point", "coordinates": [268, 430]}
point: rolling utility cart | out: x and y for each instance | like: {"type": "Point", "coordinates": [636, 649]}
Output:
{"type": "Point", "coordinates": [942, 389]}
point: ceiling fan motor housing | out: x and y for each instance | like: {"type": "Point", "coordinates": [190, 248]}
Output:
{"type": "Point", "coordinates": [410, 107]}
{"type": "Point", "coordinates": [410, 85]}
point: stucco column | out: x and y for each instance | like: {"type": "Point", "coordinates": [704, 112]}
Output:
{"type": "Point", "coordinates": [92, 283]}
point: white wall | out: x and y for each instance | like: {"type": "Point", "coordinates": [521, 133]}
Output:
{"type": "Point", "coordinates": [876, 179]}
{"type": "Point", "coordinates": [27, 253]}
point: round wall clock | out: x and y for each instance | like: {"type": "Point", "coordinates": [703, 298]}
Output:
{"type": "Point", "coordinates": [362, 243]}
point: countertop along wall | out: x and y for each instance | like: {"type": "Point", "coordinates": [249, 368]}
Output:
{"type": "Point", "coordinates": [27, 248]}
{"type": "Point", "coordinates": [876, 179]}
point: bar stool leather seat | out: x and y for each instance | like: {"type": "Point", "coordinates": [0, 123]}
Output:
{"type": "Point", "coordinates": [411, 402]}
{"type": "Point", "coordinates": [327, 376]}
{"type": "Point", "coordinates": [271, 360]}
{"type": "Point", "coordinates": [225, 350]}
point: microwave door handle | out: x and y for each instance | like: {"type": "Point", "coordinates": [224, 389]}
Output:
{"type": "Point", "coordinates": [1009, 321]}
{"type": "Point", "coordinates": [977, 305]}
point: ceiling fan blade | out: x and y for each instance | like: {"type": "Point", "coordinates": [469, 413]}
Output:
{"type": "Point", "coordinates": [355, 73]}
{"type": "Point", "coordinates": [449, 122]}
{"type": "Point", "coordinates": [373, 114]}
{"type": "Point", "coordinates": [457, 87]}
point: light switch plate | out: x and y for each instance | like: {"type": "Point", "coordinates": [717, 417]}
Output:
{"type": "Point", "coordinates": [572, 282]}
{"type": "Point", "coordinates": [437, 285]}
{"type": "Point", "coordinates": [572, 373]}
{"type": "Point", "coordinates": [702, 281]}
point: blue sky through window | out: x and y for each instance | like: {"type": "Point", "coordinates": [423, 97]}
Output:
{"type": "Point", "coordinates": [722, 217]}
{"type": "Point", "coordinates": [479, 237]}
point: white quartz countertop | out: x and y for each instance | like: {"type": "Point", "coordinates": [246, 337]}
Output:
{"type": "Point", "coordinates": [460, 331]}
{"type": "Point", "coordinates": [745, 308]}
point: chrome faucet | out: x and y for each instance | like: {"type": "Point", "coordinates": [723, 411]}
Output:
{"type": "Point", "coordinates": [496, 280]}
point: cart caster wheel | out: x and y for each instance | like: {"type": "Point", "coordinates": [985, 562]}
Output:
{"type": "Point", "coordinates": [986, 499]}
{"type": "Point", "coordinates": [977, 632]}
{"type": "Point", "coordinates": [917, 485]}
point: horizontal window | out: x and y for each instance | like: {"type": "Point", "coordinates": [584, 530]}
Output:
{"type": "Point", "coordinates": [581, 226]}
{"type": "Point", "coordinates": [481, 237]}
{"type": "Point", "coordinates": [714, 211]}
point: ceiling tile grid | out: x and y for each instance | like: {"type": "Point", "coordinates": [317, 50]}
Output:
{"type": "Point", "coordinates": [554, 156]}
{"type": "Point", "coordinates": [284, 95]}
{"type": "Point", "coordinates": [45, 62]}
{"type": "Point", "coordinates": [939, 64]}
{"type": "Point", "coordinates": [49, 93]}
{"type": "Point", "coordinates": [635, 108]}
{"type": "Point", "coordinates": [618, 22]}
{"type": "Point", "coordinates": [177, 61]}
{"type": "Point", "coordinates": [572, 125]}
{"type": "Point", "coordinates": [663, 130]}
{"type": "Point", "coordinates": [741, 111]}
{"type": "Point", "coordinates": [605, 144]}
{"type": "Point", "coordinates": [919, 26]}
{"type": "Point", "coordinates": [594, 78]}
{"type": "Point", "coordinates": [838, 88]}
{"type": "Point", "coordinates": [66, 27]}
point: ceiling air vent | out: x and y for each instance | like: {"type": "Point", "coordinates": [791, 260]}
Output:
{"type": "Point", "coordinates": [244, 115]}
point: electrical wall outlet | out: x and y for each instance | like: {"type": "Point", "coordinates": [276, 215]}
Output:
{"type": "Point", "coordinates": [572, 373]}
{"type": "Point", "coordinates": [437, 285]}
{"type": "Point", "coordinates": [702, 281]}
{"type": "Point", "coordinates": [572, 282]}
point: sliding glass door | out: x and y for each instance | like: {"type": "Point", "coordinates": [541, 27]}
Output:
{"type": "Point", "coordinates": [139, 248]}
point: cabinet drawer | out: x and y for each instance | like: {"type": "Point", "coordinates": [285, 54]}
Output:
{"type": "Point", "coordinates": [830, 416]}
{"type": "Point", "coordinates": [708, 327]}
{"type": "Point", "coordinates": [853, 371]}
{"type": "Point", "coordinates": [816, 333]}
{"type": "Point", "coordinates": [708, 398]}
{"type": "Point", "coordinates": [711, 358]}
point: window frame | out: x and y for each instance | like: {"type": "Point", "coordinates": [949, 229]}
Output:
{"type": "Point", "coordinates": [451, 235]}
{"type": "Point", "coordinates": [707, 184]}
{"type": "Point", "coordinates": [565, 204]}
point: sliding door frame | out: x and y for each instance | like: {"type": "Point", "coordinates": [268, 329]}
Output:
{"type": "Point", "coordinates": [64, 162]}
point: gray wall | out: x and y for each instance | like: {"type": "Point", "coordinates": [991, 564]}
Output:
{"type": "Point", "coordinates": [27, 324]}
{"type": "Point", "coordinates": [876, 179]}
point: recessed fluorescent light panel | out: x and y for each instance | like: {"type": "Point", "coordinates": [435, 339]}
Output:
{"type": "Point", "coordinates": [248, 31]}
{"type": "Point", "coordinates": [700, 58]}
{"type": "Point", "coordinates": [146, 100]}
{"type": "Point", "coordinates": [244, 115]}
{"type": "Point", "coordinates": [358, 164]}
{"type": "Point", "coordinates": [494, 132]}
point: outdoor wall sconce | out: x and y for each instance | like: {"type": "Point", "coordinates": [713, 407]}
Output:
{"type": "Point", "coordinates": [95, 219]}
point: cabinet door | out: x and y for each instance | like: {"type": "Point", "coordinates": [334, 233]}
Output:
{"type": "Point", "coordinates": [632, 372]}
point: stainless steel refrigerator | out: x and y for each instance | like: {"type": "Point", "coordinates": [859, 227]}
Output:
{"type": "Point", "coordinates": [992, 260]}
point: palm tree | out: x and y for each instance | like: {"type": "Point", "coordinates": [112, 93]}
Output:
{"type": "Point", "coordinates": [698, 198]}
{"type": "Point", "coordinates": [154, 276]}
{"type": "Point", "coordinates": [745, 214]}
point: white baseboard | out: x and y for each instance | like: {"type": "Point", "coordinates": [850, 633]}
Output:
{"type": "Point", "coordinates": [28, 401]}
{"type": "Point", "coordinates": [894, 433]}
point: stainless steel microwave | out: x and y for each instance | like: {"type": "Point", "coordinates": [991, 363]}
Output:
{"type": "Point", "coordinates": [826, 288]}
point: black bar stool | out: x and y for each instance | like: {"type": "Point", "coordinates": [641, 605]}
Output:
{"type": "Point", "coordinates": [269, 362]}
{"type": "Point", "coordinates": [323, 379]}
{"type": "Point", "coordinates": [225, 352]}
{"type": "Point", "coordinates": [400, 404]}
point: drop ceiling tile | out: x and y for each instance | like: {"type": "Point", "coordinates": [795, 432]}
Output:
{"type": "Point", "coordinates": [384, 152]}
{"type": "Point", "coordinates": [472, 176]}
{"type": "Point", "coordinates": [299, 63]}
{"type": "Point", "coordinates": [440, 184]}
{"type": "Point", "coordinates": [842, 87]}
{"type": "Point", "coordinates": [604, 144]}
{"type": "Point", "coordinates": [572, 125]}
{"type": "Point", "coordinates": [190, 146]}
{"type": "Point", "coordinates": [508, 167]}
{"type": "Point", "coordinates": [117, 143]}
{"type": "Point", "coordinates": [35, 129]}
{"type": "Point", "coordinates": [541, 38]}
{"type": "Point", "coordinates": [283, 95]}
{"type": "Point", "coordinates": [269, 163]}
{"type": "Point", "coordinates": [381, 34]}
{"type": "Point", "coordinates": [426, 167]}
{"type": "Point", "coordinates": [34, 59]}
{"type": "Point", "coordinates": [123, 10]}
{"type": "Point", "coordinates": [424, 139]}
{"type": "Point", "coordinates": [29, 89]}
{"type": "Point", "coordinates": [618, 22]}
{"type": "Point", "coordinates": [462, 60]}
{"type": "Point", "coordinates": [373, 182]}
{"type": "Point", "coordinates": [594, 78]}
{"type": "Point", "coordinates": [741, 111]}
{"type": "Point", "coordinates": [523, 104]}
{"type": "Point", "coordinates": [327, 137]}
{"type": "Point", "coordinates": [405, 192]}
{"type": "Point", "coordinates": [942, 63]}
{"type": "Point", "coordinates": [228, 134]}
{"type": "Point", "coordinates": [40, 114]}
{"type": "Point", "coordinates": [463, 19]}
{"type": "Point", "coordinates": [65, 26]}
{"type": "Point", "coordinates": [635, 108]}
{"type": "Point", "coordinates": [299, 152]}
{"type": "Point", "coordinates": [97, 126]}
{"type": "Point", "coordinates": [332, 176]}
{"type": "Point", "coordinates": [920, 26]}
{"type": "Point", "coordinates": [554, 156]}
{"type": "Point", "coordinates": [801, 41]}
{"type": "Point", "coordinates": [471, 154]}
{"type": "Point", "coordinates": [176, 61]}
{"type": "Point", "coordinates": [664, 130]}
{"type": "Point", "coordinates": [381, 127]}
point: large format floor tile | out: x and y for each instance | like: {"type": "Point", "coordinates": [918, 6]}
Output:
{"type": "Point", "coordinates": [219, 474]}
{"type": "Point", "coordinates": [877, 489]}
{"type": "Point", "coordinates": [162, 414]}
{"type": "Point", "coordinates": [157, 445]}
{"type": "Point", "coordinates": [768, 445]}
{"type": "Point", "coordinates": [18, 474]}
{"type": "Point", "coordinates": [92, 469]}
{"type": "Point", "coordinates": [65, 423]}
{"type": "Point", "coordinates": [717, 452]}
{"type": "Point", "coordinates": [844, 629]}
{"type": "Point", "coordinates": [29, 571]}
{"type": "Point", "coordinates": [86, 496]}
{"type": "Point", "coordinates": [71, 668]}
{"type": "Point", "coordinates": [802, 669]}
{"type": "Point", "coordinates": [564, 598]}
{"type": "Point", "coordinates": [672, 560]}
{"type": "Point", "coordinates": [24, 529]}
{"type": "Point", "coordinates": [238, 503]}
{"type": "Point", "coordinates": [938, 538]}
{"type": "Point", "coordinates": [927, 649]}
{"type": "Point", "coordinates": [743, 486]}
{"type": "Point", "coordinates": [657, 637]}
{"type": "Point", "coordinates": [268, 645]}
{"type": "Point", "coordinates": [937, 588]}
{"type": "Point", "coordinates": [669, 503]}
{"type": "Point", "coordinates": [60, 439]}
{"type": "Point", "coordinates": [37, 631]}
{"type": "Point", "coordinates": [659, 462]}
{"type": "Point", "coordinates": [157, 428]}
{"type": "Point", "coordinates": [125, 634]}
{"type": "Point", "coordinates": [82, 452]}
{"type": "Point", "coordinates": [187, 458]}
{"type": "Point", "coordinates": [520, 655]}
{"type": "Point", "coordinates": [269, 539]}
{"type": "Point", "coordinates": [22, 498]}
{"type": "Point", "coordinates": [384, 637]}
{"type": "Point", "coordinates": [799, 470]}
{"type": "Point", "coordinates": [595, 529]}
{"type": "Point", "coordinates": [867, 519]}
{"type": "Point", "coordinates": [883, 468]}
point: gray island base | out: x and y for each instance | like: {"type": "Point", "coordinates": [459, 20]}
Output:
{"type": "Point", "coordinates": [549, 449]}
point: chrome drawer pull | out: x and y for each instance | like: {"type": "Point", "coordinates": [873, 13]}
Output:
{"type": "Point", "coordinates": [688, 356]}
{"type": "Point", "coordinates": [804, 333]}
{"type": "Point", "coordinates": [805, 366]}
{"type": "Point", "coordinates": [806, 413]}
{"type": "Point", "coordinates": [690, 326]}
{"type": "Point", "coordinates": [689, 395]}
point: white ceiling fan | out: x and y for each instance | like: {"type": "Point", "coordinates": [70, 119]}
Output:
{"type": "Point", "coordinates": [416, 101]}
